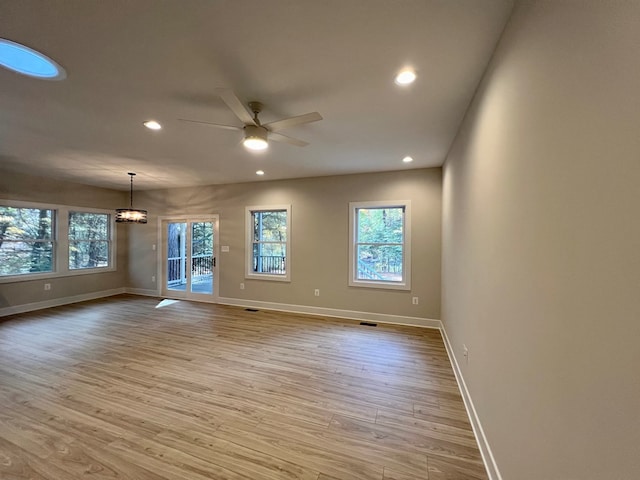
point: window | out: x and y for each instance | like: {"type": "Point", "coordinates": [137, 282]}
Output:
{"type": "Point", "coordinates": [26, 240]}
{"type": "Point", "coordinates": [89, 240]}
{"type": "Point", "coordinates": [47, 241]}
{"type": "Point", "coordinates": [268, 241]}
{"type": "Point", "coordinates": [380, 245]}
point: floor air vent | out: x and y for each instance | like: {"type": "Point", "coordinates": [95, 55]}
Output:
{"type": "Point", "coordinates": [369, 324]}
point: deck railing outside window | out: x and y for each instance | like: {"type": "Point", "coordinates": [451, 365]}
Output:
{"type": "Point", "coordinates": [269, 264]}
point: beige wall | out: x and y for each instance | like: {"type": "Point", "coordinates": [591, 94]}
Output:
{"type": "Point", "coordinates": [319, 238]}
{"type": "Point", "coordinates": [320, 209]}
{"type": "Point", "coordinates": [541, 243]}
{"type": "Point", "coordinates": [22, 187]}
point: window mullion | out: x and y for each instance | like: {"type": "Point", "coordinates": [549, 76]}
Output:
{"type": "Point", "coordinates": [380, 243]}
{"type": "Point", "coordinates": [62, 237]}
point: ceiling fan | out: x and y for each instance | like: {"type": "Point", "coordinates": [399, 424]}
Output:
{"type": "Point", "coordinates": [255, 133]}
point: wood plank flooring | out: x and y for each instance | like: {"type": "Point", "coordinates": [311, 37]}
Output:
{"type": "Point", "coordinates": [120, 389]}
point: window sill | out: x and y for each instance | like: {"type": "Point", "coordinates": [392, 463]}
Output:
{"type": "Point", "coordinates": [380, 285]}
{"type": "Point", "coordinates": [266, 276]}
{"type": "Point", "coordinates": [27, 277]}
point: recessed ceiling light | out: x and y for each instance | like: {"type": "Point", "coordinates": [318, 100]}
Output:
{"type": "Point", "coordinates": [152, 125]}
{"type": "Point", "coordinates": [407, 159]}
{"type": "Point", "coordinates": [405, 77]}
{"type": "Point", "coordinates": [27, 61]}
{"type": "Point", "coordinates": [259, 172]}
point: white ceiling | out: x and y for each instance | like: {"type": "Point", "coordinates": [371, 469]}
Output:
{"type": "Point", "coordinates": [130, 61]}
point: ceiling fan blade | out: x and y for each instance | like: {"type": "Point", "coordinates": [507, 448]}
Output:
{"type": "Point", "coordinates": [278, 137]}
{"type": "Point", "coordinates": [217, 125]}
{"type": "Point", "coordinates": [293, 121]}
{"type": "Point", "coordinates": [235, 105]}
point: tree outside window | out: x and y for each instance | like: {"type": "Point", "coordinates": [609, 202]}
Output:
{"type": "Point", "coordinates": [26, 240]}
{"type": "Point", "coordinates": [89, 240]}
{"type": "Point", "coordinates": [268, 242]}
{"type": "Point", "coordinates": [380, 250]}
{"type": "Point", "coordinates": [380, 243]}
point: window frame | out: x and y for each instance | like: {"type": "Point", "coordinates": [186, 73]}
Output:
{"type": "Point", "coordinates": [249, 242]}
{"type": "Point", "coordinates": [108, 240]}
{"type": "Point", "coordinates": [51, 240]}
{"type": "Point", "coordinates": [60, 238]}
{"type": "Point", "coordinates": [406, 245]}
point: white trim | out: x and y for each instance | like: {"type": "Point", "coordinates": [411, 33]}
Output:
{"type": "Point", "coordinates": [111, 241]}
{"type": "Point", "coordinates": [161, 259]}
{"type": "Point", "coordinates": [56, 302]}
{"type": "Point", "coordinates": [52, 206]}
{"type": "Point", "coordinates": [144, 292]}
{"type": "Point", "coordinates": [196, 300]}
{"type": "Point", "coordinates": [481, 439]}
{"type": "Point", "coordinates": [248, 274]}
{"type": "Point", "coordinates": [60, 242]}
{"type": "Point", "coordinates": [333, 312]}
{"type": "Point", "coordinates": [406, 245]}
{"type": "Point", "coordinates": [27, 277]}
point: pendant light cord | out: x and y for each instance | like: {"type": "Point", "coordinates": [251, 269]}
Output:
{"type": "Point", "coordinates": [131, 191]}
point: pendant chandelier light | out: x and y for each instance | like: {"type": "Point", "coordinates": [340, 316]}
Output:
{"type": "Point", "coordinates": [130, 215]}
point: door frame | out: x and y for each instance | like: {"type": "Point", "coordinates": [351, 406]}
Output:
{"type": "Point", "coordinates": [161, 250]}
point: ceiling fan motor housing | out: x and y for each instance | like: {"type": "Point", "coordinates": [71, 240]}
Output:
{"type": "Point", "coordinates": [255, 131]}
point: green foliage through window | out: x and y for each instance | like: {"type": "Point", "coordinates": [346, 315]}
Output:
{"type": "Point", "coordinates": [380, 243]}
{"type": "Point", "coordinates": [26, 240]}
{"type": "Point", "coordinates": [269, 242]}
{"type": "Point", "coordinates": [89, 240]}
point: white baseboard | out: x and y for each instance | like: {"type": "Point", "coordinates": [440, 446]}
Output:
{"type": "Point", "coordinates": [56, 302]}
{"type": "Point", "coordinates": [333, 312]}
{"type": "Point", "coordinates": [487, 456]}
{"type": "Point", "coordinates": [142, 291]}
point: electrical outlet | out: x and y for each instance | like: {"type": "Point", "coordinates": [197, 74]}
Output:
{"type": "Point", "coordinates": [47, 286]}
{"type": "Point", "coordinates": [242, 286]}
{"type": "Point", "coordinates": [153, 247]}
{"type": "Point", "coordinates": [465, 353]}
{"type": "Point", "coordinates": [316, 292]}
{"type": "Point", "coordinates": [414, 300]}
{"type": "Point", "coordinates": [153, 278]}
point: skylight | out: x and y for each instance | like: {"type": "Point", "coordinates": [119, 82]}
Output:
{"type": "Point", "coordinates": [26, 61]}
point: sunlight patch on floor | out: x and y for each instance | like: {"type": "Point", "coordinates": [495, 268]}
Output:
{"type": "Point", "coordinates": [166, 302]}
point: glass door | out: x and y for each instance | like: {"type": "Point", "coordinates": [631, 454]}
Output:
{"type": "Point", "coordinates": [202, 257]}
{"type": "Point", "coordinates": [189, 258]}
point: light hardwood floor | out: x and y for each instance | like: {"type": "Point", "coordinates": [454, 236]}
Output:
{"type": "Point", "coordinates": [120, 389]}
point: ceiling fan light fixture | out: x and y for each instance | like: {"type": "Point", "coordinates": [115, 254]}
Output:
{"type": "Point", "coordinates": [255, 137]}
{"type": "Point", "coordinates": [256, 144]}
